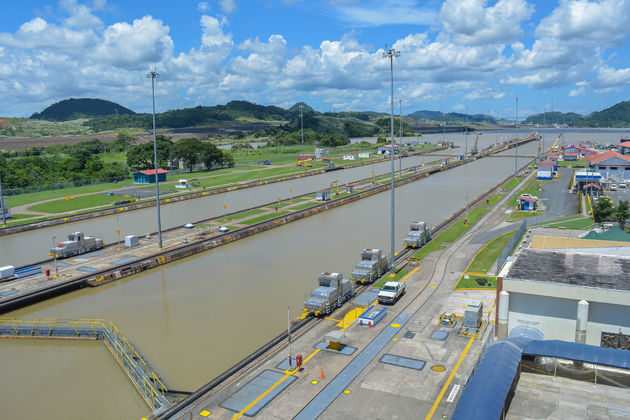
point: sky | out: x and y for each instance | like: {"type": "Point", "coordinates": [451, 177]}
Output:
{"type": "Point", "coordinates": [463, 56]}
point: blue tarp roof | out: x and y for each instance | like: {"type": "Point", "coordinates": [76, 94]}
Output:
{"type": "Point", "coordinates": [579, 352]}
{"type": "Point", "coordinates": [485, 394]}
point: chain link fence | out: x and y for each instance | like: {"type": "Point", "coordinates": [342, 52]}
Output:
{"type": "Point", "coordinates": [510, 245]}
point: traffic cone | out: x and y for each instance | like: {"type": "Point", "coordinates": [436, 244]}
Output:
{"type": "Point", "coordinates": [370, 325]}
{"type": "Point", "coordinates": [322, 374]}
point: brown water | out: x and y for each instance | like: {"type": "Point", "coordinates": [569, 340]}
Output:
{"type": "Point", "coordinates": [194, 319]}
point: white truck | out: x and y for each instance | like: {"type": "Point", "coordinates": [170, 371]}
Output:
{"type": "Point", "coordinates": [391, 292]}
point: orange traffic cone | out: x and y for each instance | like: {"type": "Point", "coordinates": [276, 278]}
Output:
{"type": "Point", "coordinates": [370, 325]}
{"type": "Point", "coordinates": [322, 374]}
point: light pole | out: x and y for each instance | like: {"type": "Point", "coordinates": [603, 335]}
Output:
{"type": "Point", "coordinates": [391, 53]}
{"type": "Point", "coordinates": [154, 75]}
{"type": "Point", "coordinates": [400, 142]}
{"type": "Point", "coordinates": [4, 216]}
{"type": "Point", "coordinates": [544, 126]}
{"type": "Point", "coordinates": [302, 129]}
{"type": "Point", "coordinates": [466, 149]}
{"type": "Point", "coordinates": [516, 148]}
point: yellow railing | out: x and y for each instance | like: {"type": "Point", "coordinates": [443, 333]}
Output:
{"type": "Point", "coordinates": [122, 348]}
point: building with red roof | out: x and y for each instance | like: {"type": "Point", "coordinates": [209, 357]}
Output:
{"type": "Point", "coordinates": [611, 164]}
{"type": "Point", "coordinates": [148, 176]}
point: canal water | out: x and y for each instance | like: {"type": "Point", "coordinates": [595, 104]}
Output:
{"type": "Point", "coordinates": [195, 318]}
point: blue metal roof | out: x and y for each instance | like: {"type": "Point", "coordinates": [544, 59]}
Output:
{"type": "Point", "coordinates": [485, 394]}
{"type": "Point", "coordinates": [579, 352]}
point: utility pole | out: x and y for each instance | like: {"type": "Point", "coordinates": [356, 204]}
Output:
{"type": "Point", "coordinates": [544, 126]}
{"type": "Point", "coordinates": [4, 216]}
{"type": "Point", "coordinates": [391, 53]}
{"type": "Point", "coordinates": [516, 149]}
{"type": "Point", "coordinates": [154, 75]}
{"type": "Point", "coordinates": [400, 142]}
{"type": "Point", "coordinates": [466, 149]}
{"type": "Point", "coordinates": [302, 128]}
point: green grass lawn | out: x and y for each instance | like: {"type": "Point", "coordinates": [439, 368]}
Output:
{"type": "Point", "coordinates": [77, 203]}
{"type": "Point", "coordinates": [304, 206]}
{"type": "Point", "coordinates": [452, 233]}
{"type": "Point", "coordinates": [512, 183]}
{"type": "Point", "coordinates": [572, 164]}
{"type": "Point", "coordinates": [475, 281]}
{"type": "Point", "coordinates": [264, 217]}
{"type": "Point", "coordinates": [399, 275]}
{"type": "Point", "coordinates": [488, 255]}
{"type": "Point", "coordinates": [494, 200]}
{"type": "Point", "coordinates": [577, 224]}
{"type": "Point", "coordinates": [243, 215]}
{"type": "Point", "coordinates": [519, 215]}
{"type": "Point", "coordinates": [22, 199]}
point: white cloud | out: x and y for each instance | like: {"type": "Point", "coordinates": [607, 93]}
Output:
{"type": "Point", "coordinates": [227, 6]}
{"type": "Point", "coordinates": [203, 7]}
{"type": "Point", "coordinates": [471, 22]}
{"type": "Point", "coordinates": [577, 92]}
{"type": "Point", "coordinates": [604, 21]}
{"type": "Point", "coordinates": [136, 46]}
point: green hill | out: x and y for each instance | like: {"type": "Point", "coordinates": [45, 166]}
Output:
{"type": "Point", "coordinates": [616, 116]}
{"type": "Point", "coordinates": [72, 109]}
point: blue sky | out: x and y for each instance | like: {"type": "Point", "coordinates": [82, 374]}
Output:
{"type": "Point", "coordinates": [568, 55]}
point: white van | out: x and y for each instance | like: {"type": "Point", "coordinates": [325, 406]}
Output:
{"type": "Point", "coordinates": [613, 187]}
{"type": "Point", "coordinates": [622, 184]}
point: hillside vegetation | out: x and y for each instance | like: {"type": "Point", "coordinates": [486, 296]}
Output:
{"type": "Point", "coordinates": [616, 116]}
{"type": "Point", "coordinates": [72, 109]}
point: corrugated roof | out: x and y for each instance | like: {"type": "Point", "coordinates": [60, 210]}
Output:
{"type": "Point", "coordinates": [605, 272]}
{"type": "Point", "coordinates": [607, 155]}
{"type": "Point", "coordinates": [624, 144]}
{"type": "Point", "coordinates": [602, 356]}
{"type": "Point", "coordinates": [485, 394]}
{"type": "Point", "coordinates": [152, 171]}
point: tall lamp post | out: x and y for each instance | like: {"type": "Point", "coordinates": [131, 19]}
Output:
{"type": "Point", "coordinates": [400, 141]}
{"type": "Point", "coordinates": [4, 216]}
{"type": "Point", "coordinates": [516, 148]}
{"type": "Point", "coordinates": [391, 53]}
{"type": "Point", "coordinates": [466, 148]}
{"type": "Point", "coordinates": [302, 129]}
{"type": "Point", "coordinates": [154, 75]}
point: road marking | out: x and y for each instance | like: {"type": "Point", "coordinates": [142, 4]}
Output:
{"type": "Point", "coordinates": [271, 388]}
{"type": "Point", "coordinates": [450, 378]}
{"type": "Point", "coordinates": [453, 394]}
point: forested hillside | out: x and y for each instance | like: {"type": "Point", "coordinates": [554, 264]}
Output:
{"type": "Point", "coordinates": [72, 109]}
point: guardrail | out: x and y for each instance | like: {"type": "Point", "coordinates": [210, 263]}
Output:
{"type": "Point", "coordinates": [142, 375]}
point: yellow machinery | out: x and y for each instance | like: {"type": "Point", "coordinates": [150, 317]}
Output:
{"type": "Point", "coordinates": [304, 163]}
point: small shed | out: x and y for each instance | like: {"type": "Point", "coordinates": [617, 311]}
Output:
{"type": "Point", "coordinates": [593, 189]}
{"type": "Point", "coordinates": [545, 171]}
{"type": "Point", "coordinates": [349, 157]}
{"type": "Point", "coordinates": [323, 195]}
{"type": "Point", "coordinates": [349, 188]}
{"type": "Point", "coordinates": [385, 150]}
{"type": "Point", "coordinates": [552, 162]}
{"type": "Point", "coordinates": [148, 176]}
{"type": "Point", "coordinates": [526, 203]}
{"type": "Point", "coordinates": [364, 155]}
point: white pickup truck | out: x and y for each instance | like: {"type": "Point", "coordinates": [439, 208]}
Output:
{"type": "Point", "coordinates": [391, 292]}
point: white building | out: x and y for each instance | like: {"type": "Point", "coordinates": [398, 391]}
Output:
{"type": "Point", "coordinates": [611, 164]}
{"type": "Point", "coordinates": [570, 296]}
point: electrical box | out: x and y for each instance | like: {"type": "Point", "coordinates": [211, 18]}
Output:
{"type": "Point", "coordinates": [131, 240]}
{"type": "Point", "coordinates": [473, 315]}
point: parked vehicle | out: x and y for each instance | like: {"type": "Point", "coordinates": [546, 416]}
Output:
{"type": "Point", "coordinates": [391, 292]}
{"type": "Point", "coordinates": [372, 266]}
{"type": "Point", "coordinates": [332, 292]}
{"type": "Point", "coordinates": [613, 187]}
{"type": "Point", "coordinates": [77, 244]}
{"type": "Point", "coordinates": [419, 235]}
{"type": "Point", "coordinates": [622, 184]}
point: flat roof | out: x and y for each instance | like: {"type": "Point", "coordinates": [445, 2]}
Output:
{"type": "Point", "coordinates": [601, 271]}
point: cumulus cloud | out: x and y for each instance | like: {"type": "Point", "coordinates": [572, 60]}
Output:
{"type": "Point", "coordinates": [604, 21]}
{"type": "Point", "coordinates": [137, 45]}
{"type": "Point", "coordinates": [227, 6]}
{"type": "Point", "coordinates": [473, 22]}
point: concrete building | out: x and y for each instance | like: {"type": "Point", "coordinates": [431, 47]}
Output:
{"type": "Point", "coordinates": [545, 171]}
{"type": "Point", "coordinates": [624, 148]}
{"type": "Point", "coordinates": [611, 164]}
{"type": "Point", "coordinates": [569, 296]}
{"type": "Point", "coordinates": [384, 150]}
{"type": "Point", "coordinates": [148, 176]}
{"type": "Point", "coordinates": [586, 177]}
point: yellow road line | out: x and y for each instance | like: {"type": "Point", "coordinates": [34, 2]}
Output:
{"type": "Point", "coordinates": [271, 388]}
{"type": "Point", "coordinates": [450, 378]}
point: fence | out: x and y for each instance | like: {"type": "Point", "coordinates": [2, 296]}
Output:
{"type": "Point", "coordinates": [510, 246]}
{"type": "Point", "coordinates": [62, 185]}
